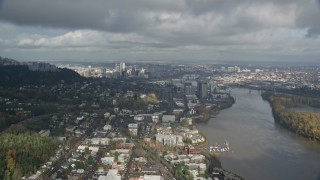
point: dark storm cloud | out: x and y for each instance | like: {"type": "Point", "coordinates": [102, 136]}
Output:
{"type": "Point", "coordinates": [76, 14]}
{"type": "Point", "coordinates": [118, 16]}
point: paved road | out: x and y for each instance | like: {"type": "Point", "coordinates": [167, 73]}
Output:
{"type": "Point", "coordinates": [126, 175]}
{"type": "Point", "coordinates": [62, 159]}
{"type": "Point", "coordinates": [91, 170]}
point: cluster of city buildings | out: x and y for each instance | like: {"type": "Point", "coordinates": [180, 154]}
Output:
{"type": "Point", "coordinates": [194, 161]}
{"type": "Point", "coordinates": [283, 78]}
{"type": "Point", "coordinates": [119, 70]}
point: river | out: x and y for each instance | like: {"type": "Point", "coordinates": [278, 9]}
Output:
{"type": "Point", "coordinates": [261, 149]}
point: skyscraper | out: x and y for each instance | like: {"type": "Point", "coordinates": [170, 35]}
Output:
{"type": "Point", "coordinates": [165, 93]}
{"type": "Point", "coordinates": [203, 89]}
{"type": "Point", "coordinates": [122, 67]}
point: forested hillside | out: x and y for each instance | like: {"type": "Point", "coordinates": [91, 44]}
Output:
{"type": "Point", "coordinates": [21, 153]}
{"type": "Point", "coordinates": [8, 61]}
{"type": "Point", "coordinates": [17, 75]}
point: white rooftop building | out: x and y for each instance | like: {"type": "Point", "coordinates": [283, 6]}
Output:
{"type": "Point", "coordinates": [133, 129]}
{"type": "Point", "coordinates": [170, 140]}
{"type": "Point", "coordinates": [113, 175]}
{"type": "Point", "coordinates": [98, 141]}
{"type": "Point", "coordinates": [107, 160]}
{"type": "Point", "coordinates": [107, 127]}
{"type": "Point", "coordinates": [168, 118]}
{"type": "Point", "coordinates": [152, 177]}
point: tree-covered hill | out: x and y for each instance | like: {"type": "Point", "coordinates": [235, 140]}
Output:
{"type": "Point", "coordinates": [7, 61]}
{"type": "Point", "coordinates": [18, 75]}
{"type": "Point", "coordinates": [14, 73]}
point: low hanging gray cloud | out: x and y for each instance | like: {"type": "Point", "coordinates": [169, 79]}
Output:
{"type": "Point", "coordinates": [71, 14]}
{"type": "Point", "coordinates": [308, 16]}
{"type": "Point", "coordinates": [113, 15]}
{"type": "Point", "coordinates": [209, 27]}
{"type": "Point", "coordinates": [138, 16]}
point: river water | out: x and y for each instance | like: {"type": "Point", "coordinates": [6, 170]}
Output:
{"type": "Point", "coordinates": [261, 149]}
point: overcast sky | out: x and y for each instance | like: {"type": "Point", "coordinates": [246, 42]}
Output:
{"type": "Point", "coordinates": [162, 30]}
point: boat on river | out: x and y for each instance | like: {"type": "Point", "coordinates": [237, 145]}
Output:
{"type": "Point", "coordinates": [220, 148]}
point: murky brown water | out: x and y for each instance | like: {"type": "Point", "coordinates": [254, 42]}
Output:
{"type": "Point", "coordinates": [261, 148]}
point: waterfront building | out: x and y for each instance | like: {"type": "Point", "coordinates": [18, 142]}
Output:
{"type": "Point", "coordinates": [170, 139]}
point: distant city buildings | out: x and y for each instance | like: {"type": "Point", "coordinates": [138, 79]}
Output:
{"type": "Point", "coordinates": [41, 66]}
{"type": "Point", "coordinates": [117, 71]}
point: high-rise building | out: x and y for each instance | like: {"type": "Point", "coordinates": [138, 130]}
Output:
{"type": "Point", "coordinates": [203, 89]}
{"type": "Point", "coordinates": [165, 93]}
{"type": "Point", "coordinates": [117, 67]}
{"type": "Point", "coordinates": [103, 72]}
{"type": "Point", "coordinates": [122, 67]}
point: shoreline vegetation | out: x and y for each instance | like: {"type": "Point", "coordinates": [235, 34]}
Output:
{"type": "Point", "coordinates": [215, 167]}
{"type": "Point", "coordinates": [212, 111]}
{"type": "Point", "coordinates": [306, 124]}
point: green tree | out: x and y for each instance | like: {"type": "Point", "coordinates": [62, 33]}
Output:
{"type": "Point", "coordinates": [79, 165]}
{"type": "Point", "coordinates": [116, 156]}
{"type": "Point", "coordinates": [22, 152]}
{"type": "Point", "coordinates": [90, 160]}
{"type": "Point", "coordinates": [185, 123]}
{"type": "Point", "coordinates": [188, 141]}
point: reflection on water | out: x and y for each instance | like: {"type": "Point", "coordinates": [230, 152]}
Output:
{"type": "Point", "coordinates": [261, 148]}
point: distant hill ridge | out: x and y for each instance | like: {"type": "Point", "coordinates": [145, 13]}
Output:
{"type": "Point", "coordinates": [15, 73]}
{"type": "Point", "coordinates": [6, 61]}
{"type": "Point", "coordinates": [33, 66]}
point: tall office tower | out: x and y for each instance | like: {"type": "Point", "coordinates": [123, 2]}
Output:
{"type": "Point", "coordinates": [134, 71]}
{"type": "Point", "coordinates": [203, 89]}
{"type": "Point", "coordinates": [103, 72]}
{"type": "Point", "coordinates": [122, 67]}
{"type": "Point", "coordinates": [165, 93]}
{"type": "Point", "coordinates": [117, 67]}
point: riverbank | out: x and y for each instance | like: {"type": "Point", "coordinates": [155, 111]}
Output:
{"type": "Point", "coordinates": [303, 123]}
{"type": "Point", "coordinates": [215, 168]}
{"type": "Point", "coordinates": [214, 110]}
